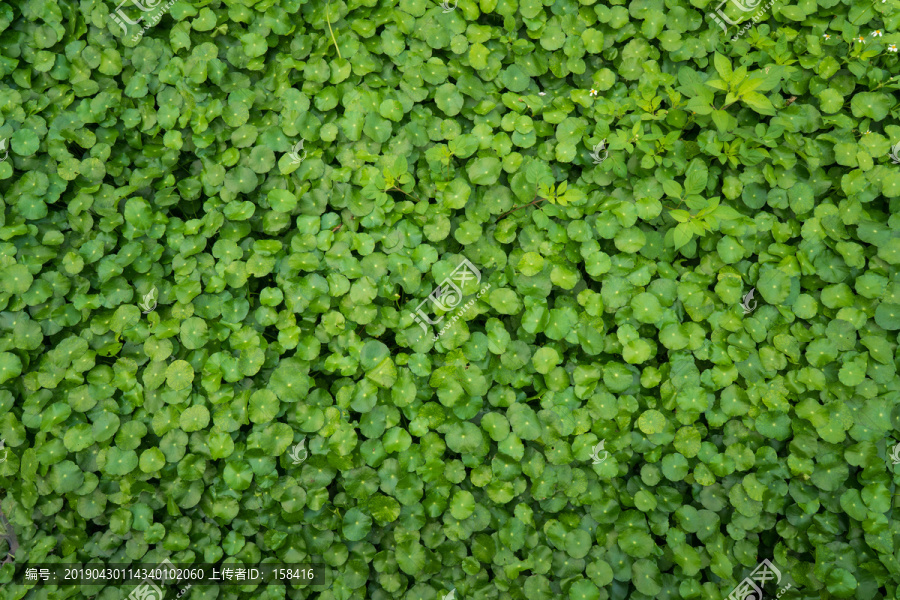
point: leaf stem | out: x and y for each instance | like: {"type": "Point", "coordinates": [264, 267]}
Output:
{"type": "Point", "coordinates": [396, 189]}
{"type": "Point", "coordinates": [327, 5]}
{"type": "Point", "coordinates": [532, 203]}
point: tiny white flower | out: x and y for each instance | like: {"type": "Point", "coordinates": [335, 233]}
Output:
{"type": "Point", "coordinates": [877, 33]}
{"type": "Point", "coordinates": [826, 36]}
{"type": "Point", "coordinates": [861, 39]}
{"type": "Point", "coordinates": [542, 93]}
{"type": "Point", "coordinates": [593, 92]}
{"type": "Point", "coordinates": [892, 48]}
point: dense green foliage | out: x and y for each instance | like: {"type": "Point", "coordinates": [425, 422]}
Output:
{"type": "Point", "coordinates": [187, 293]}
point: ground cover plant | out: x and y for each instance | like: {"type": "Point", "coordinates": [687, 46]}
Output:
{"type": "Point", "coordinates": [226, 332]}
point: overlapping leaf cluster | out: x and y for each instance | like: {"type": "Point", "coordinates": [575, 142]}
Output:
{"type": "Point", "coordinates": [286, 290]}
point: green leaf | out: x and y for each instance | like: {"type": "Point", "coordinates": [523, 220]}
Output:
{"type": "Point", "coordinates": [10, 366]}
{"type": "Point", "coordinates": [774, 286]}
{"type": "Point", "coordinates": [759, 103]}
{"type": "Point", "coordinates": [484, 171]}
{"type": "Point", "coordinates": [723, 66]}
{"type": "Point", "coordinates": [545, 359]}
{"type": "Point", "coordinates": [120, 462]}
{"type": "Point", "coordinates": [264, 406]}
{"type": "Point", "coordinates": [887, 316]}
{"type": "Point", "coordinates": [282, 201]}
{"type": "Point", "coordinates": [356, 524]}
{"type": "Point", "coordinates": [179, 375]}
{"type": "Point", "coordinates": [682, 234]}
{"type": "Point", "coordinates": [873, 105]}
{"type": "Point", "coordinates": [695, 177]}
{"type": "Point", "coordinates": [524, 422]}
{"type": "Point", "coordinates": [194, 418]}
{"type": "Point", "coordinates": [652, 421]}
{"type": "Point", "coordinates": [65, 477]}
